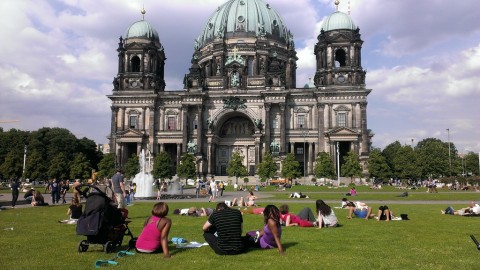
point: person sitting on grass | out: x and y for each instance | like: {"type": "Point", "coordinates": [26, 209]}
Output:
{"type": "Point", "coordinates": [37, 199]}
{"type": "Point", "coordinates": [361, 210]}
{"type": "Point", "coordinates": [384, 213]}
{"type": "Point", "coordinates": [74, 212]}
{"type": "Point", "coordinates": [270, 235]}
{"type": "Point", "coordinates": [304, 219]}
{"type": "Point", "coordinates": [242, 202]}
{"type": "Point", "coordinates": [326, 216]}
{"type": "Point", "coordinates": [223, 231]}
{"type": "Point", "coordinates": [154, 236]}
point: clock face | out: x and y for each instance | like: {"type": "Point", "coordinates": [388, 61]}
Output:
{"type": "Point", "coordinates": [341, 79]}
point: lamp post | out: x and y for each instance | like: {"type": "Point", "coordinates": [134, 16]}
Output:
{"type": "Point", "coordinates": [338, 164]}
{"type": "Point", "coordinates": [305, 133]}
{"type": "Point", "coordinates": [24, 160]}
{"type": "Point", "coordinates": [449, 156]}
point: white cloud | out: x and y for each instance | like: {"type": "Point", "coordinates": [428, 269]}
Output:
{"type": "Point", "coordinates": [422, 57]}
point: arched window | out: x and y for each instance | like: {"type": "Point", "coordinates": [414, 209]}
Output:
{"type": "Point", "coordinates": [340, 58]}
{"type": "Point", "coordinates": [135, 64]}
{"type": "Point", "coordinates": [250, 67]}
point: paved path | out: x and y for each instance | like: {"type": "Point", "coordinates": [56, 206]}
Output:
{"type": "Point", "coordinates": [263, 196]}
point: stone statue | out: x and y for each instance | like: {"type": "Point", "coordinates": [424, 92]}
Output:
{"type": "Point", "coordinates": [234, 79]}
{"type": "Point", "coordinates": [258, 123]}
{"type": "Point", "coordinates": [274, 147]}
{"type": "Point", "coordinates": [210, 124]}
{"type": "Point", "coordinates": [191, 147]}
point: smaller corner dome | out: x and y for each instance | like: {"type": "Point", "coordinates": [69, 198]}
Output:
{"type": "Point", "coordinates": [142, 29]}
{"type": "Point", "coordinates": [338, 21]}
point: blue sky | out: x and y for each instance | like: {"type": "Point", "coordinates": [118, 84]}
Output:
{"type": "Point", "coordinates": [58, 59]}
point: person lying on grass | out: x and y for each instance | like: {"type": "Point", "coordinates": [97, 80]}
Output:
{"type": "Point", "coordinates": [154, 236]}
{"type": "Point", "coordinates": [471, 210]}
{"type": "Point", "coordinates": [270, 235]}
{"type": "Point", "coordinates": [304, 219]}
{"type": "Point", "coordinates": [361, 210]}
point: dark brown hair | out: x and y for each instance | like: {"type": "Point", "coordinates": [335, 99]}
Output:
{"type": "Point", "coordinates": [284, 209]}
{"type": "Point", "coordinates": [160, 209]}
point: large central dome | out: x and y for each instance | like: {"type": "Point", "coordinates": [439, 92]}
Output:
{"type": "Point", "coordinates": [237, 18]}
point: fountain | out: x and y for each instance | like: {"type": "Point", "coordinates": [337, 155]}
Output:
{"type": "Point", "coordinates": [144, 179]}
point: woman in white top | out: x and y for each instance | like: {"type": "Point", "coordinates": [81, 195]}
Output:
{"type": "Point", "coordinates": [326, 216]}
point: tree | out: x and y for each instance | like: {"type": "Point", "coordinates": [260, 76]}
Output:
{"type": "Point", "coordinates": [90, 150]}
{"type": "Point", "coordinates": [390, 152]}
{"type": "Point", "coordinates": [187, 167]}
{"type": "Point", "coordinates": [235, 167]}
{"type": "Point", "coordinates": [163, 166]}
{"type": "Point", "coordinates": [471, 163]}
{"type": "Point", "coordinates": [377, 165]}
{"type": "Point", "coordinates": [80, 167]}
{"type": "Point", "coordinates": [406, 165]}
{"type": "Point", "coordinates": [12, 166]}
{"type": "Point", "coordinates": [351, 167]}
{"type": "Point", "coordinates": [106, 166]}
{"type": "Point", "coordinates": [324, 166]}
{"type": "Point", "coordinates": [267, 168]}
{"type": "Point", "coordinates": [291, 167]}
{"type": "Point", "coordinates": [433, 157]}
{"type": "Point", "coordinates": [132, 167]}
{"type": "Point", "coordinates": [59, 167]}
{"type": "Point", "coordinates": [35, 167]}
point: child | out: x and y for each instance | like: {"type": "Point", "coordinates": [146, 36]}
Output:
{"type": "Point", "coordinates": [154, 236]}
{"type": "Point", "coordinates": [269, 236]}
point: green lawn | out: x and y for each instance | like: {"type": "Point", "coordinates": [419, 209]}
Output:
{"type": "Point", "coordinates": [428, 241]}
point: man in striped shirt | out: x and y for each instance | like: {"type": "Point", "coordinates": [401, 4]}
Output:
{"type": "Point", "coordinates": [223, 231]}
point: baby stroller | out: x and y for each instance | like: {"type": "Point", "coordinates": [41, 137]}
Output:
{"type": "Point", "coordinates": [102, 222]}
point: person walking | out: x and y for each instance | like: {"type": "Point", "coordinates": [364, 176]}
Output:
{"type": "Point", "coordinates": [118, 186]}
{"type": "Point", "coordinates": [15, 187]}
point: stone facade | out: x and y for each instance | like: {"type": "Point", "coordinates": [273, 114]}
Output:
{"type": "Point", "coordinates": [240, 95]}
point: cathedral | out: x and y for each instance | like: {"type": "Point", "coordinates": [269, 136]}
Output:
{"type": "Point", "coordinates": [240, 93]}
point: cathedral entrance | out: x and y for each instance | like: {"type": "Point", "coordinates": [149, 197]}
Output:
{"type": "Point", "coordinates": [235, 135]}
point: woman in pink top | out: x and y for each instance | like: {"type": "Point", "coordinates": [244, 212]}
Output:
{"type": "Point", "coordinates": [154, 236]}
{"type": "Point", "coordinates": [304, 219]}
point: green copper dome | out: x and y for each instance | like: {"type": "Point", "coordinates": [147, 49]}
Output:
{"type": "Point", "coordinates": [142, 29]}
{"type": "Point", "coordinates": [338, 21]}
{"type": "Point", "coordinates": [245, 18]}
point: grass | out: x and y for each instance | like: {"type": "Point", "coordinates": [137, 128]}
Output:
{"type": "Point", "coordinates": [428, 241]}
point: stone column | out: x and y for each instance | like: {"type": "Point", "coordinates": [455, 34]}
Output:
{"type": "Point", "coordinates": [184, 128]}
{"type": "Point", "coordinates": [199, 128]}
{"type": "Point", "coordinates": [282, 128]}
{"type": "Point", "coordinates": [363, 108]}
{"type": "Point", "coordinates": [321, 128]}
{"type": "Point", "coordinates": [311, 158]}
{"type": "Point", "coordinates": [162, 118]}
{"type": "Point", "coordinates": [330, 112]}
{"type": "Point", "coordinates": [354, 116]}
{"type": "Point", "coordinates": [267, 126]}
{"type": "Point", "coordinates": [144, 119]}
{"type": "Point", "coordinates": [162, 147]}
{"type": "Point", "coordinates": [122, 118]}
{"type": "Point", "coordinates": [114, 123]}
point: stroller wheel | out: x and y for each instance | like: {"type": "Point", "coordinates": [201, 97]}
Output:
{"type": "Point", "coordinates": [82, 246]}
{"type": "Point", "coordinates": [132, 243]}
{"type": "Point", "coordinates": [109, 247]}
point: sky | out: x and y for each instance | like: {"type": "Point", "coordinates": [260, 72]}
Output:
{"type": "Point", "coordinates": [58, 59]}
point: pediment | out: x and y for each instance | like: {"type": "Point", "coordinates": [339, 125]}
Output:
{"type": "Point", "coordinates": [130, 133]}
{"type": "Point", "coordinates": [342, 131]}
